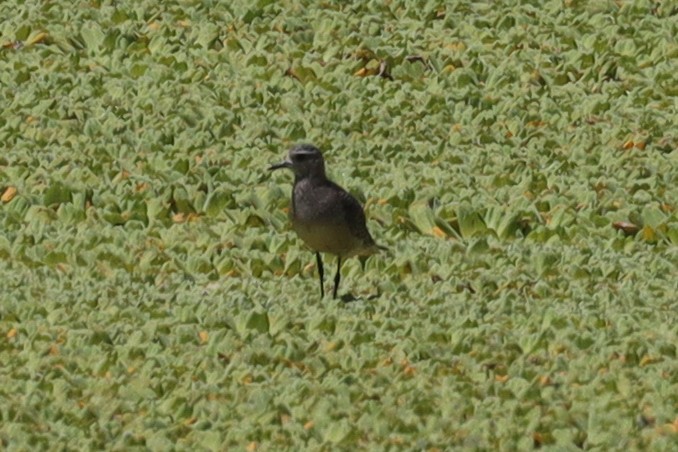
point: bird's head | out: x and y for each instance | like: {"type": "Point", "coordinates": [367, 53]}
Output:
{"type": "Point", "coordinates": [305, 160]}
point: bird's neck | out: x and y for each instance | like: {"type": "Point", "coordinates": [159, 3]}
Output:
{"type": "Point", "coordinates": [318, 178]}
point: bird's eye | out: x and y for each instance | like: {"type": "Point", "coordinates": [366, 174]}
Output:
{"type": "Point", "coordinates": [301, 157]}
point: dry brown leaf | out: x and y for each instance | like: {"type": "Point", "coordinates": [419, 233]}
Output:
{"type": "Point", "coordinates": [627, 227]}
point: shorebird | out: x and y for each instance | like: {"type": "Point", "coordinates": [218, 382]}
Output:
{"type": "Point", "coordinates": [324, 215]}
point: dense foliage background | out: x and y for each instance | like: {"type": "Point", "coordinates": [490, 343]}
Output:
{"type": "Point", "coordinates": [518, 159]}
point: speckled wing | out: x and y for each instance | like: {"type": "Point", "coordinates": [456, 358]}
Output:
{"type": "Point", "coordinates": [355, 219]}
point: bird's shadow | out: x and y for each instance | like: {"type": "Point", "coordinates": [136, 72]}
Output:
{"type": "Point", "coordinates": [350, 298]}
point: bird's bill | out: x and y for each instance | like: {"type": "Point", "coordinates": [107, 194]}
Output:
{"type": "Point", "coordinates": [283, 164]}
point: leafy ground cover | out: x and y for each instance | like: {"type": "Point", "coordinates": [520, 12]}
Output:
{"type": "Point", "coordinates": [518, 159]}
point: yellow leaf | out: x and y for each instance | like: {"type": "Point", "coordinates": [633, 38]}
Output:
{"type": "Point", "coordinates": [362, 72]}
{"type": "Point", "coordinates": [647, 360]}
{"type": "Point", "coordinates": [11, 333]}
{"type": "Point", "coordinates": [9, 194]}
{"type": "Point", "coordinates": [204, 337]}
{"type": "Point", "coordinates": [192, 217]}
{"type": "Point", "coordinates": [456, 46]}
{"type": "Point", "coordinates": [649, 234]}
{"type": "Point", "coordinates": [438, 232]}
{"type": "Point", "coordinates": [37, 38]}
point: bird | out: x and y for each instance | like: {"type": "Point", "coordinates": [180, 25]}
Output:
{"type": "Point", "coordinates": [324, 215]}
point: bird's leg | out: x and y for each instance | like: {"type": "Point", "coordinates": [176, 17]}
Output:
{"type": "Point", "coordinates": [337, 277]}
{"type": "Point", "coordinates": [321, 273]}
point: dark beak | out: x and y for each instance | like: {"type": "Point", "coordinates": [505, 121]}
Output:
{"type": "Point", "coordinates": [284, 164]}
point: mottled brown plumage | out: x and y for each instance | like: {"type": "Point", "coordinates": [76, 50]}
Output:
{"type": "Point", "coordinates": [326, 217]}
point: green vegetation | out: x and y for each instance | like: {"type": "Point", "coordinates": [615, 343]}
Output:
{"type": "Point", "coordinates": [518, 159]}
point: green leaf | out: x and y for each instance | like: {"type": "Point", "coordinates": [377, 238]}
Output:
{"type": "Point", "coordinates": [470, 221]}
{"type": "Point", "coordinates": [56, 193]}
{"type": "Point", "coordinates": [652, 216]}
{"type": "Point", "coordinates": [258, 321]}
{"type": "Point", "coordinates": [93, 36]}
{"type": "Point", "coordinates": [422, 216]}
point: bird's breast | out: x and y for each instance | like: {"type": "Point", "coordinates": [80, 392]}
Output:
{"type": "Point", "coordinates": [334, 238]}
